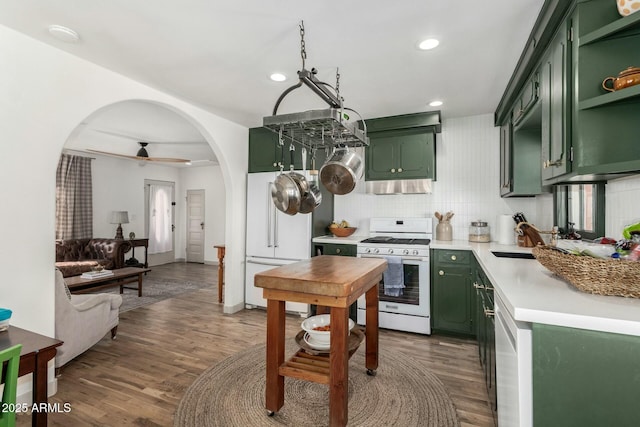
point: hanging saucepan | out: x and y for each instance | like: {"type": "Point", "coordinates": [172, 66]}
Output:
{"type": "Point", "coordinates": [286, 194]}
{"type": "Point", "coordinates": [313, 197]}
{"type": "Point", "coordinates": [286, 191]}
{"type": "Point", "coordinates": [311, 200]}
{"type": "Point", "coordinates": [341, 171]}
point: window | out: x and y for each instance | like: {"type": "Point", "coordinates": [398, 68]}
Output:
{"type": "Point", "coordinates": [580, 206]}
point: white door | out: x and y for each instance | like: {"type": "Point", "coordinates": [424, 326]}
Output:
{"type": "Point", "coordinates": [195, 226]}
{"type": "Point", "coordinates": [159, 221]}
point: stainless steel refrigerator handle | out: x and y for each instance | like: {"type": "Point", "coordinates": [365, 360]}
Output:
{"type": "Point", "coordinates": [276, 244]}
{"type": "Point", "coordinates": [269, 184]}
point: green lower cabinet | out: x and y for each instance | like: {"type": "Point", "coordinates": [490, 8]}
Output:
{"type": "Point", "coordinates": [451, 293]}
{"type": "Point", "coordinates": [340, 249]}
{"type": "Point", "coordinates": [585, 378]}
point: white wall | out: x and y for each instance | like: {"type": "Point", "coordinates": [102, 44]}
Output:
{"type": "Point", "coordinates": [210, 180]}
{"type": "Point", "coordinates": [468, 175]}
{"type": "Point", "coordinates": [44, 94]}
{"type": "Point", "coordinates": [118, 185]}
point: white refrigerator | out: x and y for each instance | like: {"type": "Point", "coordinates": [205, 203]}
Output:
{"type": "Point", "coordinates": [273, 238]}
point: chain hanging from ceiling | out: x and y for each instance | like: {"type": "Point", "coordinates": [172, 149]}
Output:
{"type": "Point", "coordinates": [314, 129]}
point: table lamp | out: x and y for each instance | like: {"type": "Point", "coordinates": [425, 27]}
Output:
{"type": "Point", "coordinates": [119, 217]}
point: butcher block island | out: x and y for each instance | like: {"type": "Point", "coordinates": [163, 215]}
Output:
{"type": "Point", "coordinates": [334, 282]}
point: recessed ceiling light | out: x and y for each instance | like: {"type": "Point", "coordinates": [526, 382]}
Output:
{"type": "Point", "coordinates": [64, 34]}
{"type": "Point", "coordinates": [278, 77]}
{"type": "Point", "coordinates": [435, 103]}
{"type": "Point", "coordinates": [428, 44]}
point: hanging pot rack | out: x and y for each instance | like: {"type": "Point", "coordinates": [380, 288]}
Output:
{"type": "Point", "coordinates": [315, 129]}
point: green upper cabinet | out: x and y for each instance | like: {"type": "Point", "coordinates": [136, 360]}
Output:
{"type": "Point", "coordinates": [266, 155]}
{"type": "Point", "coordinates": [527, 100]}
{"type": "Point", "coordinates": [402, 147]}
{"type": "Point", "coordinates": [506, 182]}
{"type": "Point", "coordinates": [520, 141]}
{"type": "Point", "coordinates": [554, 93]}
{"type": "Point", "coordinates": [404, 154]}
{"type": "Point", "coordinates": [587, 133]}
{"type": "Point", "coordinates": [606, 125]}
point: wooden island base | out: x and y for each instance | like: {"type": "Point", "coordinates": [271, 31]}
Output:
{"type": "Point", "coordinates": [334, 282]}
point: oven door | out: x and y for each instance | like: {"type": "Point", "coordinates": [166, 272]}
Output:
{"type": "Point", "coordinates": [415, 297]}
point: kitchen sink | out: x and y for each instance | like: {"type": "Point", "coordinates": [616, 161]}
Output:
{"type": "Point", "coordinates": [524, 255]}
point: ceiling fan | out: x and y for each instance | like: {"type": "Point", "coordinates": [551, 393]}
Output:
{"type": "Point", "coordinates": [143, 155]}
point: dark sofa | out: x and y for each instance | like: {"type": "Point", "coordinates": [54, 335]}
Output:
{"type": "Point", "coordinates": [76, 256]}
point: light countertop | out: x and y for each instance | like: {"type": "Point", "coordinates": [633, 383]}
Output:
{"type": "Point", "coordinates": [351, 240]}
{"type": "Point", "coordinates": [532, 294]}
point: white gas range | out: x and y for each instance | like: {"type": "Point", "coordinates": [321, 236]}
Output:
{"type": "Point", "coordinates": [404, 292]}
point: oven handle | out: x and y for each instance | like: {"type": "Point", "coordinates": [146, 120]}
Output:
{"type": "Point", "coordinates": [407, 258]}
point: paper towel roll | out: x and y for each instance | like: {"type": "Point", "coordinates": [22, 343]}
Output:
{"type": "Point", "coordinates": [505, 230]}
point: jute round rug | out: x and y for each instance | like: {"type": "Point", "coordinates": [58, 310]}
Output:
{"type": "Point", "coordinates": [402, 394]}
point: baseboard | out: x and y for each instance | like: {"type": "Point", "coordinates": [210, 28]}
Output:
{"type": "Point", "coordinates": [233, 309]}
{"type": "Point", "coordinates": [24, 392]}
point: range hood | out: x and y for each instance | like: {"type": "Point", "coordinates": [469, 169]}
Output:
{"type": "Point", "coordinates": [399, 186]}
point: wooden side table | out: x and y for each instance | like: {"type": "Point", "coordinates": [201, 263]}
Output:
{"type": "Point", "coordinates": [221, 252]}
{"type": "Point", "coordinates": [37, 351]}
{"type": "Point", "coordinates": [335, 282]}
{"type": "Point", "coordinates": [133, 262]}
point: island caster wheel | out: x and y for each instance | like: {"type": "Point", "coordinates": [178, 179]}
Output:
{"type": "Point", "coordinates": [371, 372]}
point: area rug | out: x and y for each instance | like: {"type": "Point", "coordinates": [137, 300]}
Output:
{"type": "Point", "coordinates": [231, 393]}
{"type": "Point", "coordinates": [155, 290]}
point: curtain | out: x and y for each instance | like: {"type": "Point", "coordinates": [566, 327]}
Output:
{"type": "Point", "coordinates": [160, 221]}
{"type": "Point", "coordinates": [74, 199]}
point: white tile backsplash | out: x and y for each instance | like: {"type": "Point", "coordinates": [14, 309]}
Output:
{"type": "Point", "coordinates": [468, 175]}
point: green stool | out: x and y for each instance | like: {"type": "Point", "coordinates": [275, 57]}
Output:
{"type": "Point", "coordinates": [9, 363]}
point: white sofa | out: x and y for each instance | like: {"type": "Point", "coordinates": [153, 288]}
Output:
{"type": "Point", "coordinates": [82, 320]}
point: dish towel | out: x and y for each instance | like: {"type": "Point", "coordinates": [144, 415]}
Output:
{"type": "Point", "coordinates": [393, 277]}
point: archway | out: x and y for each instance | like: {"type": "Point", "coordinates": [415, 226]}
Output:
{"type": "Point", "coordinates": [119, 181]}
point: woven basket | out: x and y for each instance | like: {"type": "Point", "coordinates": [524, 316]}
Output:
{"type": "Point", "coordinates": [593, 275]}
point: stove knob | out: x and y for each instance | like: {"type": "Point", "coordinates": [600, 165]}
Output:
{"type": "Point", "coordinates": [376, 251]}
{"type": "Point", "coordinates": [390, 251]}
{"type": "Point", "coordinates": [415, 252]}
{"type": "Point", "coordinates": [406, 252]}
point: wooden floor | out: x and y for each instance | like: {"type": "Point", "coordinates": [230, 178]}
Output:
{"type": "Point", "coordinates": [139, 378]}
